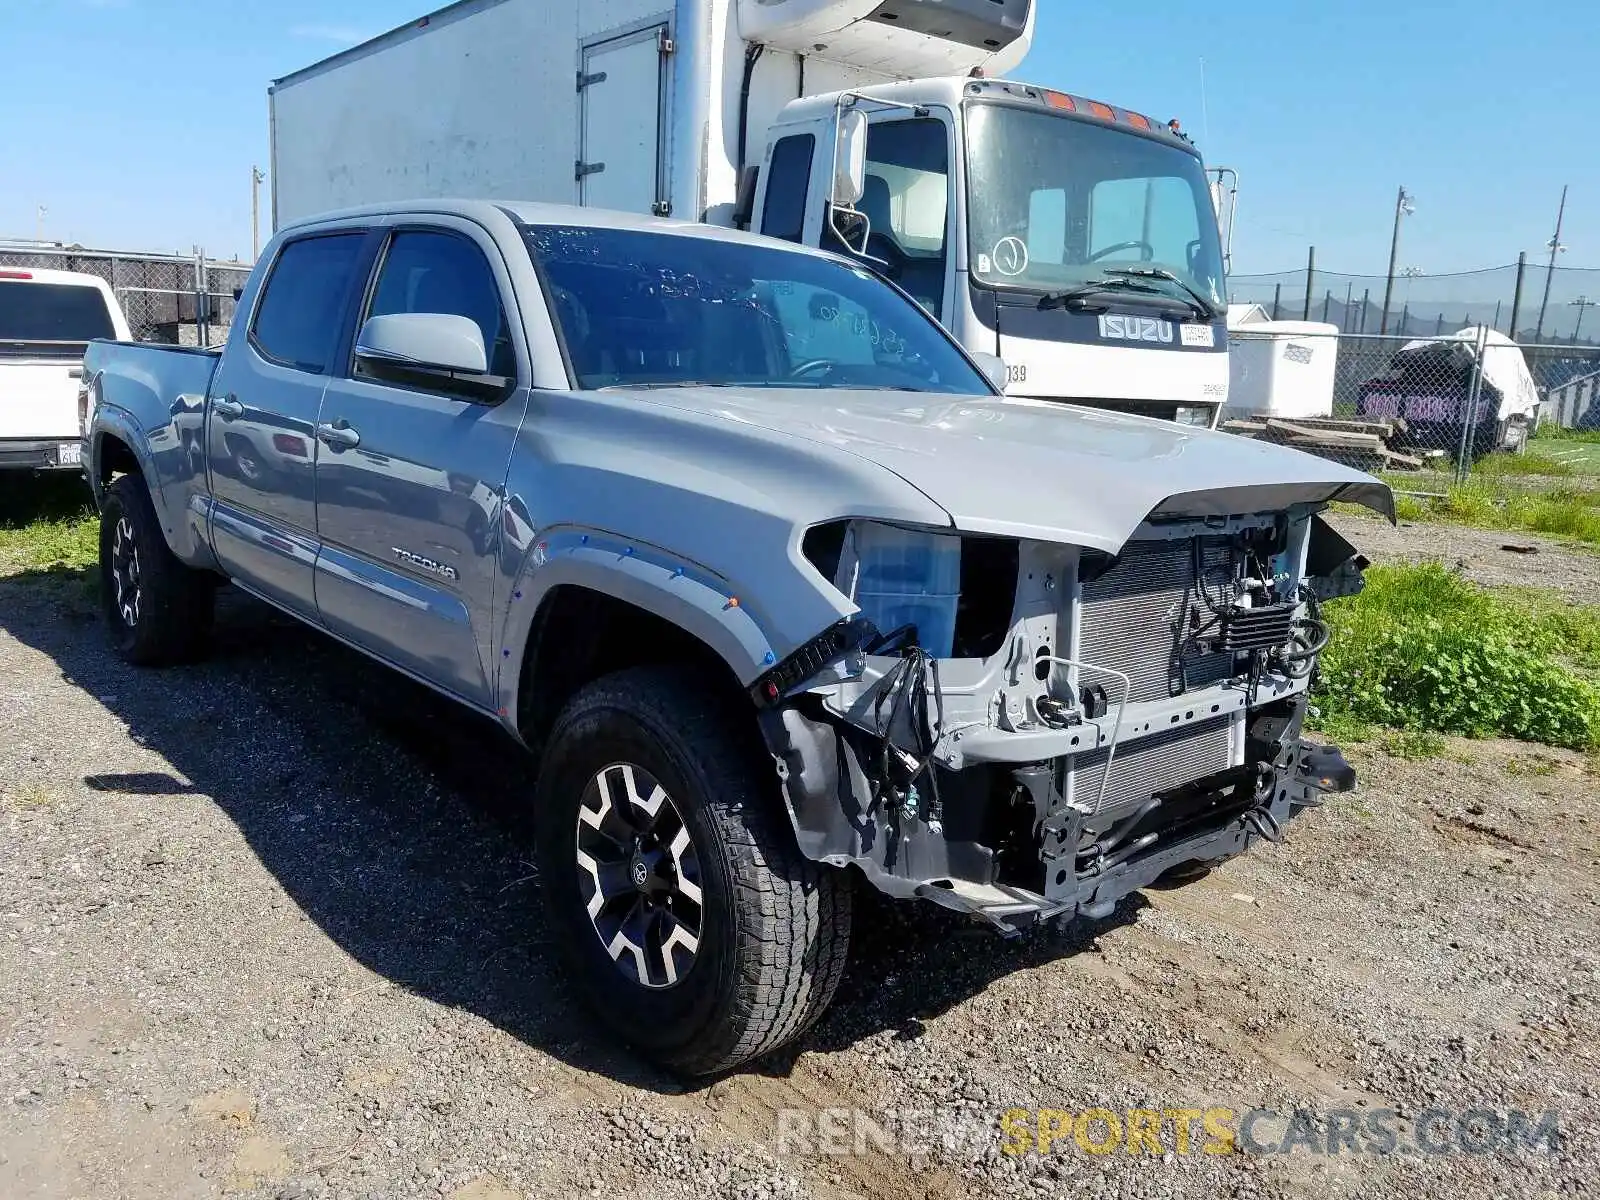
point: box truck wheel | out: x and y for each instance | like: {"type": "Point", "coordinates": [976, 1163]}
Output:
{"type": "Point", "coordinates": [157, 610]}
{"type": "Point", "coordinates": [695, 928]}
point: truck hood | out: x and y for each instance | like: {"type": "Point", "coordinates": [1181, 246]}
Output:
{"type": "Point", "coordinates": [1039, 469]}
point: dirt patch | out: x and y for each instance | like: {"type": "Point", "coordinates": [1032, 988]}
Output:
{"type": "Point", "coordinates": [1481, 555]}
{"type": "Point", "coordinates": [274, 934]}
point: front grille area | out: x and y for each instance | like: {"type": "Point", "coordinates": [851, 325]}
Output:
{"type": "Point", "coordinates": [1152, 764]}
{"type": "Point", "coordinates": [1128, 618]}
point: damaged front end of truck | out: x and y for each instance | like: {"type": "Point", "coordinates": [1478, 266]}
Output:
{"type": "Point", "coordinates": [1091, 721]}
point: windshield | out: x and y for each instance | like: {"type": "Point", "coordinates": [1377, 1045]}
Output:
{"type": "Point", "coordinates": [1057, 202]}
{"type": "Point", "coordinates": [52, 312]}
{"type": "Point", "coordinates": [641, 309]}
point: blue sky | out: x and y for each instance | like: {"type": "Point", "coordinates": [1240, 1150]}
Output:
{"type": "Point", "coordinates": [135, 122]}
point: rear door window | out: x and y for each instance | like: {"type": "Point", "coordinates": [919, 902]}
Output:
{"type": "Point", "coordinates": [297, 322]}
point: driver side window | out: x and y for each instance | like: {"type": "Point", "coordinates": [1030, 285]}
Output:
{"type": "Point", "coordinates": [907, 200]}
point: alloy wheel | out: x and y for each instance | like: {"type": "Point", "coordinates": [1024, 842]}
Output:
{"type": "Point", "coordinates": [639, 875]}
{"type": "Point", "coordinates": [125, 572]}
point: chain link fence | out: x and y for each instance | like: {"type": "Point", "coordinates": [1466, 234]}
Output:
{"type": "Point", "coordinates": [1428, 413]}
{"type": "Point", "coordinates": [180, 300]}
{"type": "Point", "coordinates": [1528, 300]}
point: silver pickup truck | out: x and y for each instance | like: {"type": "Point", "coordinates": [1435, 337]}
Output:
{"type": "Point", "coordinates": [783, 593]}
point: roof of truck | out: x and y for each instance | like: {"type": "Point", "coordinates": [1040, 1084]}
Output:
{"type": "Point", "coordinates": [50, 275]}
{"type": "Point", "coordinates": [952, 90]}
{"type": "Point", "coordinates": [528, 212]}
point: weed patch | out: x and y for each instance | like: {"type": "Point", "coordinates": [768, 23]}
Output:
{"type": "Point", "coordinates": [1425, 651]}
{"type": "Point", "coordinates": [1487, 503]}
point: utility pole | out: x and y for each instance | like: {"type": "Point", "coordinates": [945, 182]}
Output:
{"type": "Point", "coordinates": [1581, 303]}
{"type": "Point", "coordinates": [1550, 272]}
{"type": "Point", "coordinates": [1516, 295]}
{"type": "Point", "coordinates": [1311, 274]}
{"type": "Point", "coordinates": [256, 176]}
{"type": "Point", "coordinates": [1402, 208]}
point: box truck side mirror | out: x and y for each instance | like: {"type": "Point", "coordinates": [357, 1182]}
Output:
{"type": "Point", "coordinates": [849, 157]}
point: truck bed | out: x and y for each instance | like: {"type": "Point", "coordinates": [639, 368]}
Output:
{"type": "Point", "coordinates": [144, 377]}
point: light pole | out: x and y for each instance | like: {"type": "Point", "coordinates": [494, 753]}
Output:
{"type": "Point", "coordinates": [1555, 247]}
{"type": "Point", "coordinates": [256, 176]}
{"type": "Point", "coordinates": [1402, 208]}
{"type": "Point", "coordinates": [1581, 303]}
{"type": "Point", "coordinates": [1407, 274]}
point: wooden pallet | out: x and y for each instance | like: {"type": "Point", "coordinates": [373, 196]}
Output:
{"type": "Point", "coordinates": [1360, 444]}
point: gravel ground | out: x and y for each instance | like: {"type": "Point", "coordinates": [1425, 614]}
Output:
{"type": "Point", "coordinates": [267, 928]}
{"type": "Point", "coordinates": [1496, 557]}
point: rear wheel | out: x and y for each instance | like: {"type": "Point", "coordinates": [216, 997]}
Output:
{"type": "Point", "coordinates": [696, 929]}
{"type": "Point", "coordinates": [157, 610]}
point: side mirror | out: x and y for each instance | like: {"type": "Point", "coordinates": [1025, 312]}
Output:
{"type": "Point", "coordinates": [993, 367]}
{"type": "Point", "coordinates": [440, 341]}
{"type": "Point", "coordinates": [849, 158]}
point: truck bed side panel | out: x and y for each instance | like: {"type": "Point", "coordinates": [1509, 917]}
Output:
{"type": "Point", "coordinates": [153, 398]}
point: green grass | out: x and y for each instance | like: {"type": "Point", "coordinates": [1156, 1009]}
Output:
{"type": "Point", "coordinates": [1533, 462]}
{"type": "Point", "coordinates": [1424, 651]}
{"type": "Point", "coordinates": [1555, 433]}
{"type": "Point", "coordinates": [46, 522]}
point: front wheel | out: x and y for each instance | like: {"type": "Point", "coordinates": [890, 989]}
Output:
{"type": "Point", "coordinates": [696, 929]}
{"type": "Point", "coordinates": [158, 611]}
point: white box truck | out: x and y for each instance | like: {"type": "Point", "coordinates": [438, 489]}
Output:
{"type": "Point", "coordinates": [1076, 239]}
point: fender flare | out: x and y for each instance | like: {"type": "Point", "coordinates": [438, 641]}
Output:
{"type": "Point", "coordinates": [124, 426]}
{"type": "Point", "coordinates": [686, 594]}
{"type": "Point", "coordinates": [185, 526]}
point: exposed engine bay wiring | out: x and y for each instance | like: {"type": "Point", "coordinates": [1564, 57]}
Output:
{"type": "Point", "coordinates": [1310, 637]}
{"type": "Point", "coordinates": [905, 693]}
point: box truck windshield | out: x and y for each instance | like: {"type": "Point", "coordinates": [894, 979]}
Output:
{"type": "Point", "coordinates": [1057, 202]}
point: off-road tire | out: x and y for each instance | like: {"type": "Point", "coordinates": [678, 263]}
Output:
{"type": "Point", "coordinates": [776, 926]}
{"type": "Point", "coordinates": [173, 617]}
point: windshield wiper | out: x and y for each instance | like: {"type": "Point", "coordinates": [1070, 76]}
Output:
{"type": "Point", "coordinates": [1203, 306]}
{"type": "Point", "coordinates": [1077, 297]}
{"type": "Point", "coordinates": [654, 384]}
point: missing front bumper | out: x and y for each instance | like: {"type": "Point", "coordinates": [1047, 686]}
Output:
{"type": "Point", "coordinates": [1055, 865]}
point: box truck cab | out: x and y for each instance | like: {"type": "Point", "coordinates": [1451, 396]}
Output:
{"type": "Point", "coordinates": [1076, 239]}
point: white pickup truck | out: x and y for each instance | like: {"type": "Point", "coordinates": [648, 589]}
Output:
{"type": "Point", "coordinates": [47, 319]}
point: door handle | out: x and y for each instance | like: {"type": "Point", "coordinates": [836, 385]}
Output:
{"type": "Point", "coordinates": [338, 436]}
{"type": "Point", "coordinates": [227, 407]}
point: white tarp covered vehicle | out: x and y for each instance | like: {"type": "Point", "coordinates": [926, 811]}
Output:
{"type": "Point", "coordinates": [1474, 377]}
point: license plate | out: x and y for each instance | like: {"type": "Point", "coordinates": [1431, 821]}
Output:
{"type": "Point", "coordinates": [69, 455]}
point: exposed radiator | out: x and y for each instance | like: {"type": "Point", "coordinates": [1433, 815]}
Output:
{"type": "Point", "coordinates": [1127, 619]}
{"type": "Point", "coordinates": [1153, 764]}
